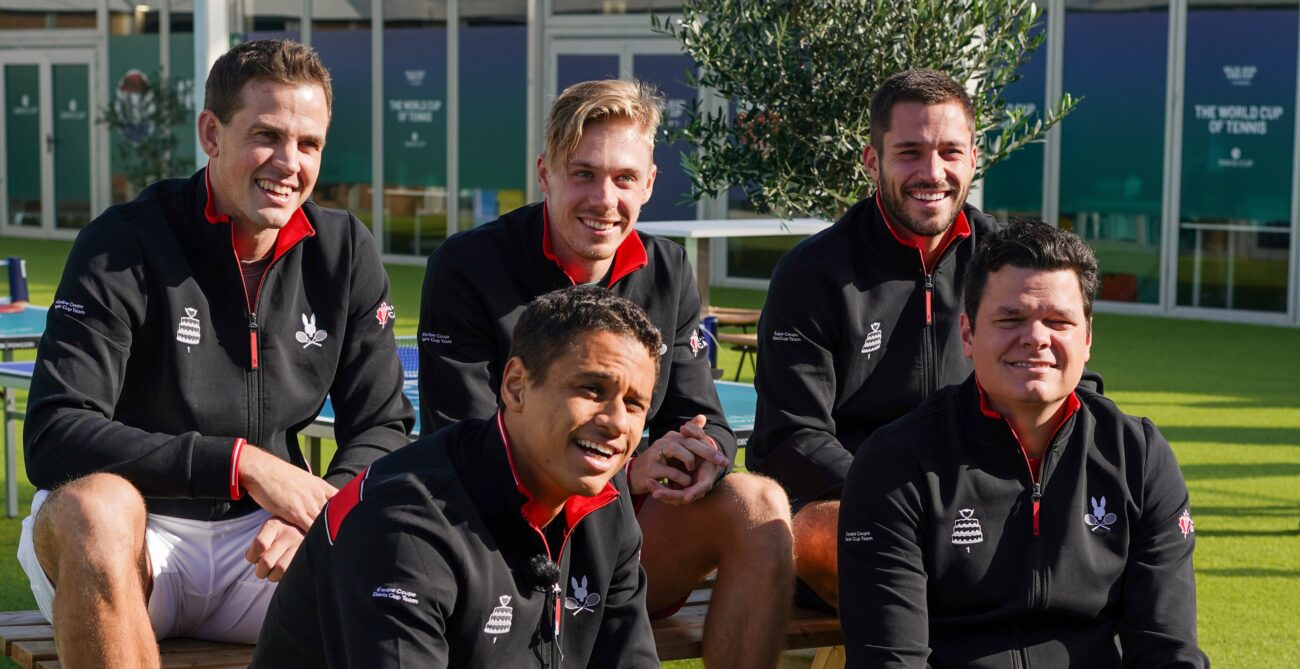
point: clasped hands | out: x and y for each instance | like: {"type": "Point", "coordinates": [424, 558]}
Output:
{"type": "Point", "coordinates": [678, 468]}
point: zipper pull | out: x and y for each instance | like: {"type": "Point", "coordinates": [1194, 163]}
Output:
{"type": "Point", "coordinates": [1037, 497]}
{"type": "Point", "coordinates": [252, 339]}
{"type": "Point", "coordinates": [929, 293]}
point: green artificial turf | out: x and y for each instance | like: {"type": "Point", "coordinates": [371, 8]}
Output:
{"type": "Point", "coordinates": [1227, 396]}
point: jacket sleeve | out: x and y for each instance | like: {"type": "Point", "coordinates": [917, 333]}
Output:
{"type": "Point", "coordinates": [378, 596]}
{"type": "Point", "coordinates": [794, 430]}
{"type": "Point", "coordinates": [691, 391]}
{"type": "Point", "coordinates": [1158, 625]}
{"type": "Point", "coordinates": [883, 610]}
{"type": "Point", "coordinates": [373, 417]}
{"type": "Point", "coordinates": [81, 363]}
{"type": "Point", "coordinates": [457, 345]}
{"type": "Point", "coordinates": [625, 638]}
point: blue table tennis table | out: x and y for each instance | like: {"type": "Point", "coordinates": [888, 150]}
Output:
{"type": "Point", "coordinates": [20, 327]}
{"type": "Point", "coordinates": [738, 403]}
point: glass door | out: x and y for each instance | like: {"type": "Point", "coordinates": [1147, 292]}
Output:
{"type": "Point", "coordinates": [47, 131]}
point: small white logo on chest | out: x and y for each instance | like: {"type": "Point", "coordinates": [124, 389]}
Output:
{"type": "Point", "coordinates": [502, 617]}
{"type": "Point", "coordinates": [309, 335]}
{"type": "Point", "coordinates": [188, 332]}
{"type": "Point", "coordinates": [1099, 520]}
{"type": "Point", "coordinates": [581, 599]}
{"type": "Point", "coordinates": [966, 530]}
{"type": "Point", "coordinates": [872, 344]}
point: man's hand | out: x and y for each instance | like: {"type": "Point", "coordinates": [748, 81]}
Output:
{"type": "Point", "coordinates": [292, 494]}
{"type": "Point", "coordinates": [273, 548]}
{"type": "Point", "coordinates": [680, 467]}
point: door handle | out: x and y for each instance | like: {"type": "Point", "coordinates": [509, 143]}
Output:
{"type": "Point", "coordinates": [50, 141]}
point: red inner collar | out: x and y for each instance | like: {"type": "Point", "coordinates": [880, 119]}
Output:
{"type": "Point", "coordinates": [960, 229]}
{"type": "Point", "coordinates": [537, 515]}
{"type": "Point", "coordinates": [1072, 405]}
{"type": "Point", "coordinates": [629, 257]}
{"type": "Point", "coordinates": [297, 229]}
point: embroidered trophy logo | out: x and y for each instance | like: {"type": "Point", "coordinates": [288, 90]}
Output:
{"type": "Point", "coordinates": [1099, 520]}
{"type": "Point", "coordinates": [187, 332]}
{"type": "Point", "coordinates": [1185, 524]}
{"type": "Point", "coordinates": [309, 335]}
{"type": "Point", "coordinates": [697, 343]}
{"type": "Point", "coordinates": [872, 344]}
{"type": "Point", "coordinates": [502, 616]}
{"type": "Point", "coordinates": [966, 529]}
{"type": "Point", "coordinates": [581, 599]}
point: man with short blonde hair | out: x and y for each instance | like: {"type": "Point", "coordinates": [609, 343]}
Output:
{"type": "Point", "coordinates": [696, 517]}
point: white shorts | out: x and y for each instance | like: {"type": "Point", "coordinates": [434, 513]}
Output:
{"type": "Point", "coordinates": [202, 585]}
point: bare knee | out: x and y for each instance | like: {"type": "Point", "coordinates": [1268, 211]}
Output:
{"type": "Point", "coordinates": [816, 556]}
{"type": "Point", "coordinates": [759, 513]}
{"type": "Point", "coordinates": [97, 519]}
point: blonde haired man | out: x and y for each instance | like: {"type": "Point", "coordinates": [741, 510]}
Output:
{"type": "Point", "coordinates": [597, 172]}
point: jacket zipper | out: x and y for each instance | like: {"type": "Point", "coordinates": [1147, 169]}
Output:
{"type": "Point", "coordinates": [555, 597]}
{"type": "Point", "coordinates": [254, 378]}
{"type": "Point", "coordinates": [929, 379]}
{"type": "Point", "coordinates": [1038, 584]}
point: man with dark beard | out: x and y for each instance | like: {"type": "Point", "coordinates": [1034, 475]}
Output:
{"type": "Point", "coordinates": [861, 321]}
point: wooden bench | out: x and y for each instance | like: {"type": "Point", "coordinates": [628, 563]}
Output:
{"type": "Point", "coordinates": [29, 641]}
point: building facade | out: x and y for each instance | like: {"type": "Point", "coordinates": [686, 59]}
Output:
{"type": "Point", "coordinates": [1179, 166]}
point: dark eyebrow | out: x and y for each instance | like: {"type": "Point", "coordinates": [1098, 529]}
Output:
{"type": "Point", "coordinates": [259, 125]}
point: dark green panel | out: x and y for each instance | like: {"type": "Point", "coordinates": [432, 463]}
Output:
{"type": "Point", "coordinates": [71, 84]}
{"type": "Point", "coordinates": [23, 143]}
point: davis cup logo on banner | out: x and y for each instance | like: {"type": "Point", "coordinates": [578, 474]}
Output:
{"type": "Point", "coordinates": [136, 104]}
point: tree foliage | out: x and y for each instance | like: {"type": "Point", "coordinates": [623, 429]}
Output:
{"type": "Point", "coordinates": [800, 75]}
{"type": "Point", "coordinates": [145, 114]}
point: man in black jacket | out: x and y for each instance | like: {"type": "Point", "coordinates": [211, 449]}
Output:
{"type": "Point", "coordinates": [499, 542]}
{"type": "Point", "coordinates": [861, 320]}
{"type": "Point", "coordinates": [1014, 521]}
{"type": "Point", "coordinates": [596, 173]}
{"type": "Point", "coordinates": [195, 332]}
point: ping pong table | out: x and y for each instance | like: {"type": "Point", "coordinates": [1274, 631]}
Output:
{"type": "Point", "coordinates": [738, 404]}
{"type": "Point", "coordinates": [21, 326]}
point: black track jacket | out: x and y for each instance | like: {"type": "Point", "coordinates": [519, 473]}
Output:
{"type": "Point", "coordinates": [424, 561]}
{"type": "Point", "coordinates": [152, 366]}
{"type": "Point", "coordinates": [949, 558]}
{"type": "Point", "coordinates": [854, 334]}
{"type": "Point", "coordinates": [478, 283]}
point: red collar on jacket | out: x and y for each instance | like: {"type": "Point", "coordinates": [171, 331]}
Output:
{"type": "Point", "coordinates": [575, 507]}
{"type": "Point", "coordinates": [960, 229]}
{"type": "Point", "coordinates": [629, 257]}
{"type": "Point", "coordinates": [1072, 405]}
{"type": "Point", "coordinates": [297, 229]}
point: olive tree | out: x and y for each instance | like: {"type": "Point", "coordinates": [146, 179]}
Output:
{"type": "Point", "coordinates": [799, 75]}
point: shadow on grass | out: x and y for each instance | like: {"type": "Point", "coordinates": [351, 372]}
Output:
{"type": "Point", "coordinates": [1246, 436]}
{"type": "Point", "coordinates": [1249, 572]}
{"type": "Point", "coordinates": [1293, 532]}
{"type": "Point", "coordinates": [1248, 511]}
{"type": "Point", "coordinates": [1219, 470]}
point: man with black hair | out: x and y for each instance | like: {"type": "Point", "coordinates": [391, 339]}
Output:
{"type": "Point", "coordinates": [1014, 520]}
{"type": "Point", "coordinates": [195, 332]}
{"type": "Point", "coordinates": [505, 542]}
{"type": "Point", "coordinates": [860, 323]}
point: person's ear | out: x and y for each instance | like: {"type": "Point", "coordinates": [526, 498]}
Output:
{"type": "Point", "coordinates": [967, 336]}
{"type": "Point", "coordinates": [513, 382]}
{"type": "Point", "coordinates": [871, 160]}
{"type": "Point", "coordinates": [210, 130]}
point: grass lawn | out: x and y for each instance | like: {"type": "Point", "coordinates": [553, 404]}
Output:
{"type": "Point", "coordinates": [1225, 395]}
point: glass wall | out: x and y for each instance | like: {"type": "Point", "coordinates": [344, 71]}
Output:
{"type": "Point", "coordinates": [495, 167]}
{"type": "Point", "coordinates": [615, 7]}
{"type": "Point", "coordinates": [341, 34]}
{"type": "Point", "coordinates": [1014, 187]}
{"type": "Point", "coordinates": [1234, 224]}
{"type": "Point", "coordinates": [1112, 145]}
{"type": "Point", "coordinates": [415, 126]}
{"type": "Point", "coordinates": [46, 15]}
